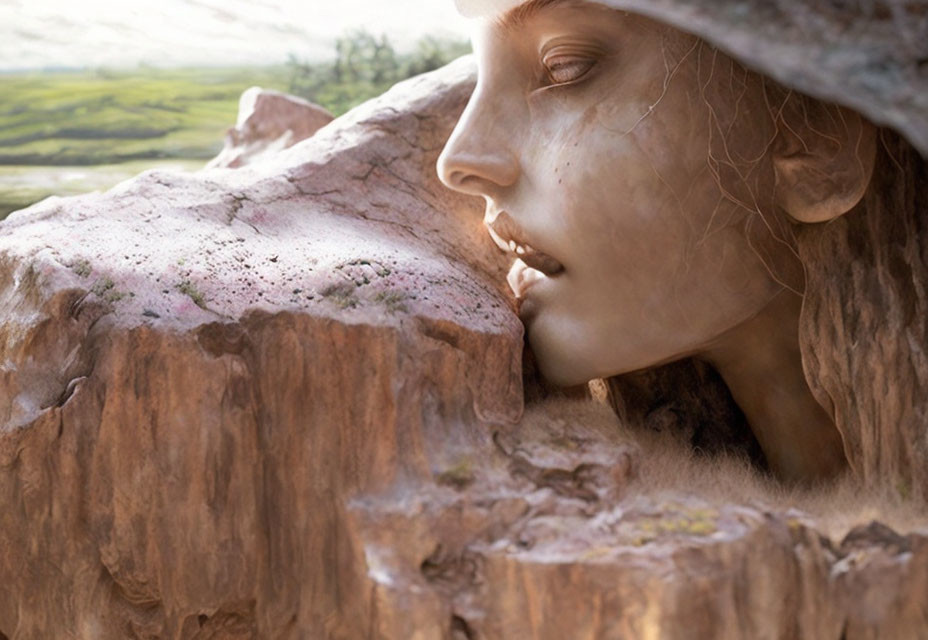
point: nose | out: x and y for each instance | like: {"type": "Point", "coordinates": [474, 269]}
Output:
{"type": "Point", "coordinates": [478, 158]}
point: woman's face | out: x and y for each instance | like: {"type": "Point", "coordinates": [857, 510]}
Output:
{"type": "Point", "coordinates": [590, 136]}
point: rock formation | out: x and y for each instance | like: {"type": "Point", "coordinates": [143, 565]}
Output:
{"type": "Point", "coordinates": [200, 369]}
{"type": "Point", "coordinates": [284, 401]}
{"type": "Point", "coordinates": [268, 121]}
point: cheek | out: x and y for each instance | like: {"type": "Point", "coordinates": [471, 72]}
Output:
{"type": "Point", "coordinates": [606, 188]}
{"type": "Point", "coordinates": [623, 195]}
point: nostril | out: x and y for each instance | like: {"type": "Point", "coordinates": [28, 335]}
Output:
{"type": "Point", "coordinates": [478, 174]}
{"type": "Point", "coordinates": [458, 179]}
{"type": "Point", "coordinates": [456, 175]}
{"type": "Point", "coordinates": [453, 180]}
{"type": "Point", "coordinates": [448, 172]}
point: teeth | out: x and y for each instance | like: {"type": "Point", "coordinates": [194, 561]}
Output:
{"type": "Point", "coordinates": [520, 250]}
{"type": "Point", "coordinates": [521, 277]}
{"type": "Point", "coordinates": [497, 239]}
{"type": "Point", "coordinates": [512, 245]}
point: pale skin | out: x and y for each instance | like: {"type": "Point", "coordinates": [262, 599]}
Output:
{"type": "Point", "coordinates": [588, 135]}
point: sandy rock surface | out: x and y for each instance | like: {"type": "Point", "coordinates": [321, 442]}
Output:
{"type": "Point", "coordinates": [284, 401]}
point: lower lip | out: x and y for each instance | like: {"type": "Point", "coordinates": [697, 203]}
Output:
{"type": "Point", "coordinates": [522, 279]}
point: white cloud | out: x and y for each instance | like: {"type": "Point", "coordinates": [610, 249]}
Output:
{"type": "Point", "coordinates": [68, 33]}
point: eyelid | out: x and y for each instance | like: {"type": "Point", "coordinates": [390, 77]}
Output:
{"type": "Point", "coordinates": [583, 56]}
{"type": "Point", "coordinates": [581, 66]}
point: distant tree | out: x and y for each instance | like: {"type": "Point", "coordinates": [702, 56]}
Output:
{"type": "Point", "coordinates": [432, 53]}
{"type": "Point", "coordinates": [384, 65]}
{"type": "Point", "coordinates": [365, 66]}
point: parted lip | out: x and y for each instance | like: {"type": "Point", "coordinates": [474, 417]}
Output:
{"type": "Point", "coordinates": [510, 237]}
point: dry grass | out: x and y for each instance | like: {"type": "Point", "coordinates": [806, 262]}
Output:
{"type": "Point", "coordinates": [667, 469]}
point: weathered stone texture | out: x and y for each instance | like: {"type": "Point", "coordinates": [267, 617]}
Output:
{"type": "Point", "coordinates": [198, 369]}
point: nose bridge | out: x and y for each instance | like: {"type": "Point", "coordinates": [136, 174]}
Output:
{"type": "Point", "coordinates": [479, 156]}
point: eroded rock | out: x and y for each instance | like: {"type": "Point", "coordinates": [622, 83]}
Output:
{"type": "Point", "coordinates": [268, 121]}
{"type": "Point", "coordinates": [199, 368]}
{"type": "Point", "coordinates": [559, 534]}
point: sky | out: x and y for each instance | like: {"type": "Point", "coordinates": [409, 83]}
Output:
{"type": "Point", "coordinates": [38, 34]}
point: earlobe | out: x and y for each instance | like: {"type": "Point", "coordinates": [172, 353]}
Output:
{"type": "Point", "coordinates": [823, 174]}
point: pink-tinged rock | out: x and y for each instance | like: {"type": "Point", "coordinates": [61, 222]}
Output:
{"type": "Point", "coordinates": [558, 533]}
{"type": "Point", "coordinates": [268, 122]}
{"type": "Point", "coordinates": [199, 369]}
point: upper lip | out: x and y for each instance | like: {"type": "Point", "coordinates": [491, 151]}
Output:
{"type": "Point", "coordinates": [509, 236]}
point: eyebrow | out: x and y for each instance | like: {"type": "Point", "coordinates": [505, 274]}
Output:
{"type": "Point", "coordinates": [517, 16]}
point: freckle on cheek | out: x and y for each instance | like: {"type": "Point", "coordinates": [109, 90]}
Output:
{"type": "Point", "coordinates": [590, 116]}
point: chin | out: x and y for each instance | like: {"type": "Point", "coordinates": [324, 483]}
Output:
{"type": "Point", "coordinates": [559, 363]}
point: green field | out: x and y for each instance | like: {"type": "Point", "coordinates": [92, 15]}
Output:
{"type": "Point", "coordinates": [91, 118]}
{"type": "Point", "coordinates": [65, 133]}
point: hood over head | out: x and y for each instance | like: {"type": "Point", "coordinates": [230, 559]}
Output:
{"type": "Point", "coordinates": [870, 56]}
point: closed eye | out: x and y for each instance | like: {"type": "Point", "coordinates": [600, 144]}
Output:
{"type": "Point", "coordinates": [567, 69]}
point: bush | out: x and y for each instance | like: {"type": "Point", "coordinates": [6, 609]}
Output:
{"type": "Point", "coordinates": [365, 66]}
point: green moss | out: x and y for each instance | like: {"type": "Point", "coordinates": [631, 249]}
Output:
{"type": "Point", "coordinates": [394, 301]}
{"type": "Point", "coordinates": [81, 267]}
{"type": "Point", "coordinates": [106, 289]}
{"type": "Point", "coordinates": [342, 295]}
{"type": "Point", "coordinates": [688, 522]}
{"type": "Point", "coordinates": [189, 289]}
{"type": "Point", "coordinates": [102, 286]}
{"type": "Point", "coordinates": [460, 476]}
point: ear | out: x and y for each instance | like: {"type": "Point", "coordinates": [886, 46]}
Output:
{"type": "Point", "coordinates": [823, 167]}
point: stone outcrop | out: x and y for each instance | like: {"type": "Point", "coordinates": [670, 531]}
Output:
{"type": "Point", "coordinates": [268, 121]}
{"type": "Point", "coordinates": [199, 369]}
{"type": "Point", "coordinates": [561, 534]}
{"type": "Point", "coordinates": [285, 401]}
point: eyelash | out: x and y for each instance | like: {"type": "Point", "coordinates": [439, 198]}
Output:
{"type": "Point", "coordinates": [578, 60]}
{"type": "Point", "coordinates": [560, 63]}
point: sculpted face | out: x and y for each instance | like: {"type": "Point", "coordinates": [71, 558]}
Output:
{"type": "Point", "coordinates": [591, 138]}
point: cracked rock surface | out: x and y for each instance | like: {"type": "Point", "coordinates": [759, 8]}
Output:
{"type": "Point", "coordinates": [199, 368]}
{"type": "Point", "coordinates": [559, 533]}
{"type": "Point", "coordinates": [285, 401]}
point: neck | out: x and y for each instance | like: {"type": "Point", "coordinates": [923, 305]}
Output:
{"type": "Point", "coordinates": [761, 363]}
